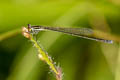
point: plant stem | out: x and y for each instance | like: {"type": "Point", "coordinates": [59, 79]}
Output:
{"type": "Point", "coordinates": [9, 34]}
{"type": "Point", "coordinates": [43, 55]}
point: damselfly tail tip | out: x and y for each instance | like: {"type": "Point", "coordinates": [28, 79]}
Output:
{"type": "Point", "coordinates": [109, 41]}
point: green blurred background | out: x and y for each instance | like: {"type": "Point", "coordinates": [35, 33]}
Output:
{"type": "Point", "coordinates": [80, 59]}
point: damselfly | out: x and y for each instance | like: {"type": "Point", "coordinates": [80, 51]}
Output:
{"type": "Point", "coordinates": [80, 32]}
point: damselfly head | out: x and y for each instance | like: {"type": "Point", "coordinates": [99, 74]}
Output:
{"type": "Point", "coordinates": [108, 41]}
{"type": "Point", "coordinates": [31, 29]}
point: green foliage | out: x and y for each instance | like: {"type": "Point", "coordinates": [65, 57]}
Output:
{"type": "Point", "coordinates": [79, 58]}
